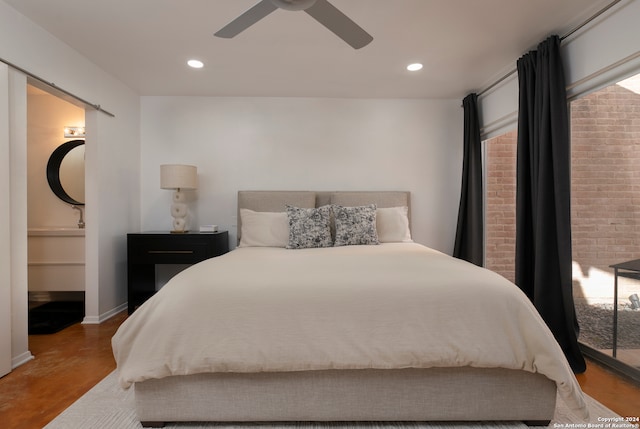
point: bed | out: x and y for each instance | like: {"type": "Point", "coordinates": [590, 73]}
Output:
{"type": "Point", "coordinates": [386, 331]}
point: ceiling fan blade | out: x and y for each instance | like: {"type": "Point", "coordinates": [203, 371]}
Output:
{"type": "Point", "coordinates": [247, 19]}
{"type": "Point", "coordinates": [327, 14]}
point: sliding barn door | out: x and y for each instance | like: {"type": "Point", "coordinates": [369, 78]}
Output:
{"type": "Point", "coordinates": [5, 242]}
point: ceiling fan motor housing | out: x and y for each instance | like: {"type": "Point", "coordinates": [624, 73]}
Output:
{"type": "Point", "coordinates": [293, 4]}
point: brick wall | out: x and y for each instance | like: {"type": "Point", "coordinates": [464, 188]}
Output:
{"type": "Point", "coordinates": [500, 205]}
{"type": "Point", "coordinates": [605, 178]}
{"type": "Point", "coordinates": [605, 185]}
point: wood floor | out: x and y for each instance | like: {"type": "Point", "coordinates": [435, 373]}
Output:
{"type": "Point", "coordinates": [69, 363]}
{"type": "Point", "coordinates": [66, 365]}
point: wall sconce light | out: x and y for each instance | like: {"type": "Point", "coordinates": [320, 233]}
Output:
{"type": "Point", "coordinates": [73, 132]}
{"type": "Point", "coordinates": [178, 178]}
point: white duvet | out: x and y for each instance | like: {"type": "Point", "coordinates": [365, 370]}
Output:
{"type": "Point", "coordinates": [396, 305]}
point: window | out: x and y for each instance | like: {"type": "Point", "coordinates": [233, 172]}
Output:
{"type": "Point", "coordinates": [605, 212]}
{"type": "Point", "coordinates": [500, 203]}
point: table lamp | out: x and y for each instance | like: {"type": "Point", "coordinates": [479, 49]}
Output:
{"type": "Point", "coordinates": [178, 178]}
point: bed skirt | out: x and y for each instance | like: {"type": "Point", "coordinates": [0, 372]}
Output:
{"type": "Point", "coordinates": [435, 394]}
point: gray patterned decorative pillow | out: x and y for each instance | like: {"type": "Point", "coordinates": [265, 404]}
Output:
{"type": "Point", "coordinates": [309, 227]}
{"type": "Point", "coordinates": [355, 225]}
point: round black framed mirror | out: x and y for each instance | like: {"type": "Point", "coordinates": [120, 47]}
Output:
{"type": "Point", "coordinates": [65, 172]}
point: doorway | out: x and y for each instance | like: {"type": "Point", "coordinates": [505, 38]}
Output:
{"type": "Point", "coordinates": [55, 224]}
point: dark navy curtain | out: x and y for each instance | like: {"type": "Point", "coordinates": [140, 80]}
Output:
{"type": "Point", "coordinates": [469, 244]}
{"type": "Point", "coordinates": [543, 212]}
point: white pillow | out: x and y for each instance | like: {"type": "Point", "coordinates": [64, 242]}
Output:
{"type": "Point", "coordinates": [392, 224]}
{"type": "Point", "coordinates": [263, 229]}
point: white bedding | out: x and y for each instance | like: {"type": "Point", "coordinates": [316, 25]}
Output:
{"type": "Point", "coordinates": [395, 305]}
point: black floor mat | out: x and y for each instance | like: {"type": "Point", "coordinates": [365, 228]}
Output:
{"type": "Point", "coordinates": [54, 316]}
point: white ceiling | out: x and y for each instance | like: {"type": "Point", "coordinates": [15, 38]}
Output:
{"type": "Point", "coordinates": [464, 44]}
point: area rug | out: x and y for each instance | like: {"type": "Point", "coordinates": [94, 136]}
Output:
{"type": "Point", "coordinates": [107, 406]}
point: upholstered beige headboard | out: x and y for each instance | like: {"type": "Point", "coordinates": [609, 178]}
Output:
{"type": "Point", "coordinates": [276, 201]}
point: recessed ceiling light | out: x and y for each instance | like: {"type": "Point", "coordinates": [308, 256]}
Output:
{"type": "Point", "coordinates": [196, 64]}
{"type": "Point", "coordinates": [414, 67]}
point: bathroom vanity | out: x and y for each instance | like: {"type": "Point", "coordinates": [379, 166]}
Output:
{"type": "Point", "coordinates": [56, 259]}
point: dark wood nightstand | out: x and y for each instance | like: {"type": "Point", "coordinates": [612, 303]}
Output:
{"type": "Point", "coordinates": [145, 250]}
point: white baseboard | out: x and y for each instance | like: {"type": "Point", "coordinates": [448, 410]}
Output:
{"type": "Point", "coordinates": [21, 359]}
{"type": "Point", "coordinates": [93, 320]}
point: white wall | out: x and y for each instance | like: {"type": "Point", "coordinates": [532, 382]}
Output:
{"type": "Point", "coordinates": [112, 156]}
{"type": "Point", "coordinates": [305, 144]}
{"type": "Point", "coordinates": [587, 55]}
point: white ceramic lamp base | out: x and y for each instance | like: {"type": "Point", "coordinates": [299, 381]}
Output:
{"type": "Point", "coordinates": [179, 212]}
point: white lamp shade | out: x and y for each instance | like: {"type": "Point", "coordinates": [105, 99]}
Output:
{"type": "Point", "coordinates": [176, 176]}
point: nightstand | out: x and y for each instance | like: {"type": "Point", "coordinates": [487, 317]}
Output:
{"type": "Point", "coordinates": [145, 250]}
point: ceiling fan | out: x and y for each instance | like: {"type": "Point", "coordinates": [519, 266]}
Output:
{"type": "Point", "coordinates": [321, 10]}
